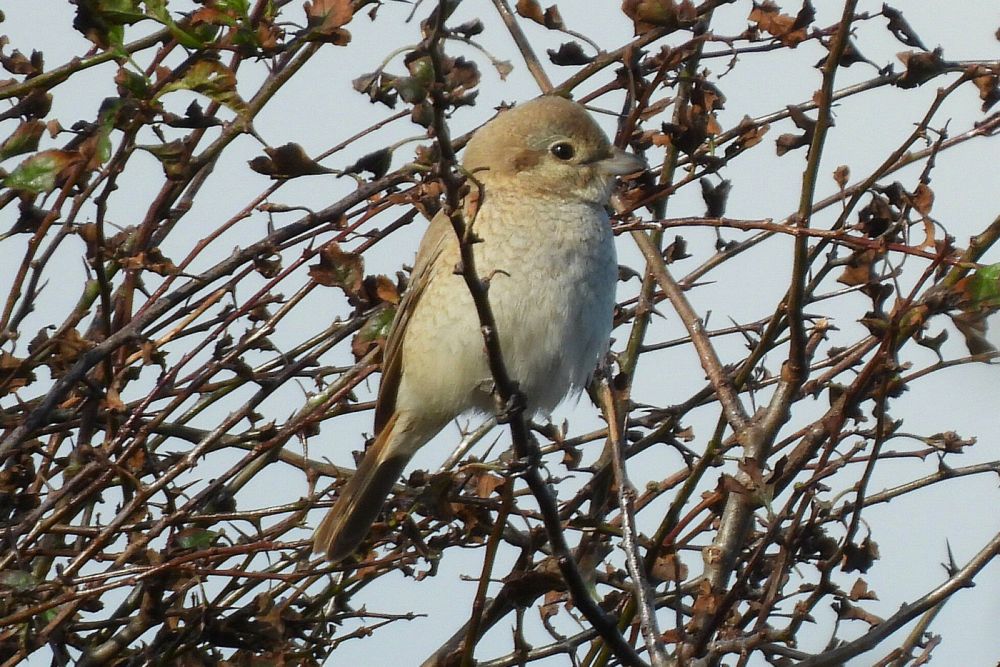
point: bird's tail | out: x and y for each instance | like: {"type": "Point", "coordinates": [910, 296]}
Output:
{"type": "Point", "coordinates": [362, 498]}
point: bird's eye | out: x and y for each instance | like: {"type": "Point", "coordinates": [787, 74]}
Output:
{"type": "Point", "coordinates": [563, 150]}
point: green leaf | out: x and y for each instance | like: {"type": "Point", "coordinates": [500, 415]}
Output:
{"type": "Point", "coordinates": [374, 329]}
{"type": "Point", "coordinates": [106, 119]}
{"type": "Point", "coordinates": [24, 140]}
{"type": "Point", "coordinates": [196, 538]}
{"type": "Point", "coordinates": [211, 79]}
{"type": "Point", "coordinates": [103, 21]}
{"type": "Point", "coordinates": [40, 172]}
{"type": "Point", "coordinates": [157, 10]}
{"type": "Point", "coordinates": [131, 82]}
{"type": "Point", "coordinates": [238, 7]}
{"type": "Point", "coordinates": [119, 11]}
{"type": "Point", "coordinates": [172, 156]}
{"type": "Point", "coordinates": [984, 287]}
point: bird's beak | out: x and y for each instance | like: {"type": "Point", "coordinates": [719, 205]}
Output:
{"type": "Point", "coordinates": [621, 163]}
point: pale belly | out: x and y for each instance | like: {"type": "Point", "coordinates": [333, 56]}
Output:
{"type": "Point", "coordinates": [551, 288]}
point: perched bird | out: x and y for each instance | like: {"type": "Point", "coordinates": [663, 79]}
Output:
{"type": "Point", "coordinates": [546, 171]}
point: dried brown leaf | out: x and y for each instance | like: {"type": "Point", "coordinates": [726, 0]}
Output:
{"type": "Point", "coordinates": [842, 175]}
{"type": "Point", "coordinates": [531, 10]}
{"type": "Point", "coordinates": [338, 268]}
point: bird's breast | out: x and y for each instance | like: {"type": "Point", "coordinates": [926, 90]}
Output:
{"type": "Point", "coordinates": [551, 271]}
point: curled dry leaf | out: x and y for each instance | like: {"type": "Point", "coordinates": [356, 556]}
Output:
{"type": "Point", "coordinates": [326, 18]}
{"type": "Point", "coordinates": [842, 175]}
{"type": "Point", "coordinates": [532, 10]}
{"type": "Point", "coordinates": [989, 89]}
{"type": "Point", "coordinates": [900, 28]}
{"type": "Point", "coordinates": [860, 591]}
{"type": "Point", "coordinates": [23, 140]}
{"type": "Point", "coordinates": [846, 610]}
{"type": "Point", "coordinates": [287, 161]}
{"type": "Point", "coordinates": [921, 67]}
{"type": "Point", "coordinates": [569, 53]}
{"type": "Point", "coordinates": [338, 268]}
{"type": "Point", "coordinates": [790, 31]}
{"type": "Point", "coordinates": [648, 15]}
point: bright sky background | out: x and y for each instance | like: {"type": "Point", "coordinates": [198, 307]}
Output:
{"type": "Point", "coordinates": [318, 108]}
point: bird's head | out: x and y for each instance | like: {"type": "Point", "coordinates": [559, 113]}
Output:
{"type": "Point", "coordinates": [548, 145]}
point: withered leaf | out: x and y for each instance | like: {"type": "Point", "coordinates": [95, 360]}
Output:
{"type": "Point", "coordinates": [326, 18]}
{"type": "Point", "coordinates": [789, 142]}
{"type": "Point", "coordinates": [842, 175]}
{"type": "Point", "coordinates": [383, 289]}
{"type": "Point", "coordinates": [338, 268]}
{"type": "Point", "coordinates": [672, 636]}
{"type": "Point", "coordinates": [112, 401]}
{"type": "Point", "coordinates": [932, 342]}
{"type": "Point", "coordinates": [790, 31]}
{"type": "Point", "coordinates": [921, 67]}
{"type": "Point", "coordinates": [469, 28]}
{"type": "Point", "coordinates": [525, 587]}
{"type": "Point", "coordinates": [29, 218]}
{"type": "Point", "coordinates": [194, 117]}
{"type": "Point", "coordinates": [379, 88]}
{"type": "Point", "coordinates": [989, 89]}
{"type": "Point", "coordinates": [552, 603]}
{"type": "Point", "coordinates": [730, 484]}
{"type": "Point", "coordinates": [922, 199]}
{"type": "Point", "coordinates": [151, 354]}
{"type": "Point", "coordinates": [900, 29]}
{"type": "Point", "coordinates": [376, 162]}
{"type": "Point", "coordinates": [859, 269]}
{"type": "Point", "coordinates": [287, 161]}
{"type": "Point", "coordinates": [877, 217]}
{"type": "Point", "coordinates": [801, 120]}
{"type": "Point", "coordinates": [150, 260]}
{"type": "Point", "coordinates": [668, 567]}
{"type": "Point", "coordinates": [696, 121]}
{"type": "Point", "coordinates": [210, 78]}
{"type": "Point", "coordinates": [859, 557]}
{"type": "Point", "coordinates": [553, 19]}
{"type": "Point", "coordinates": [706, 602]}
{"type": "Point", "coordinates": [860, 591]}
{"type": "Point", "coordinates": [14, 373]}
{"type": "Point", "coordinates": [36, 104]}
{"type": "Point", "coordinates": [973, 327]}
{"type": "Point", "coordinates": [674, 252]}
{"type": "Point", "coordinates": [750, 135]}
{"type": "Point", "coordinates": [486, 484]}
{"type": "Point", "coordinates": [850, 56]}
{"type": "Point", "coordinates": [172, 156]}
{"type": "Point", "coordinates": [43, 171]}
{"type": "Point", "coordinates": [222, 347]}
{"type": "Point", "coordinates": [63, 350]}
{"type": "Point", "coordinates": [846, 610]}
{"type": "Point", "coordinates": [18, 63]}
{"type": "Point", "coordinates": [23, 140]}
{"type": "Point", "coordinates": [532, 10]}
{"type": "Point", "coordinates": [950, 441]}
{"type": "Point", "coordinates": [569, 53]}
{"type": "Point", "coordinates": [715, 197]}
{"type": "Point", "coordinates": [267, 264]}
{"type": "Point", "coordinates": [647, 15]}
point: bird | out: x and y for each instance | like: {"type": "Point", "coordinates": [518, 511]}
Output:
{"type": "Point", "coordinates": [543, 173]}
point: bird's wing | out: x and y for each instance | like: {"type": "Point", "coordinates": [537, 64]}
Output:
{"type": "Point", "coordinates": [436, 238]}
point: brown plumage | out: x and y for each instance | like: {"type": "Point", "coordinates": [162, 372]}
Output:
{"type": "Point", "coordinates": [546, 170]}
